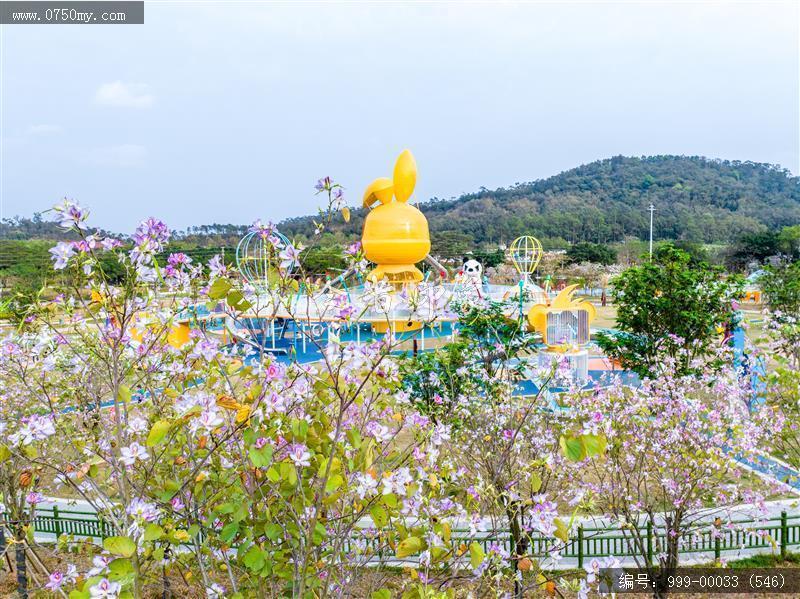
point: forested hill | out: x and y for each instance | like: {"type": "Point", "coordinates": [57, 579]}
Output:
{"type": "Point", "coordinates": [696, 198]}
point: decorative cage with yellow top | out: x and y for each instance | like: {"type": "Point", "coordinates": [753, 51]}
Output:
{"type": "Point", "coordinates": [395, 235]}
{"type": "Point", "coordinates": [564, 322]}
{"type": "Point", "coordinates": [564, 327]}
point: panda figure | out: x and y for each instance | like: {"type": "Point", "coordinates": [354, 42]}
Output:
{"type": "Point", "coordinates": [472, 273]}
{"type": "Point", "coordinates": [473, 270]}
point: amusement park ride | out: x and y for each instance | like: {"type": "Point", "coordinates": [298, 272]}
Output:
{"type": "Point", "coordinates": [396, 296]}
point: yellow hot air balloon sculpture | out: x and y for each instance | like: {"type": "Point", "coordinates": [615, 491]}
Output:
{"type": "Point", "coordinates": [395, 235]}
{"type": "Point", "coordinates": [525, 254]}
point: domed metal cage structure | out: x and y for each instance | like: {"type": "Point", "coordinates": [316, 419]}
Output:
{"type": "Point", "coordinates": [525, 254]}
{"type": "Point", "coordinates": [258, 256]}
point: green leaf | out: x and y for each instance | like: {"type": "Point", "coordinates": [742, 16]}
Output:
{"type": "Point", "coordinates": [229, 531]}
{"type": "Point", "coordinates": [236, 301]}
{"type": "Point", "coordinates": [288, 473]}
{"type": "Point", "coordinates": [158, 433]}
{"type": "Point", "coordinates": [124, 394]}
{"type": "Point", "coordinates": [381, 594]}
{"type": "Point", "coordinates": [354, 437]}
{"type": "Point", "coordinates": [273, 475]}
{"type": "Point", "coordinates": [409, 546]}
{"type": "Point", "coordinates": [320, 533]}
{"type": "Point", "coordinates": [299, 429]}
{"type": "Point", "coordinates": [5, 453]}
{"type": "Point", "coordinates": [254, 558]}
{"type": "Point", "coordinates": [476, 554]}
{"type": "Point", "coordinates": [594, 444]}
{"type": "Point", "coordinates": [379, 516]}
{"type": "Point", "coordinates": [153, 532]}
{"type": "Point", "coordinates": [273, 531]}
{"type": "Point", "coordinates": [219, 289]}
{"type": "Point", "coordinates": [121, 567]}
{"type": "Point", "coordinates": [572, 448]}
{"type": "Point", "coordinates": [226, 508]}
{"type": "Point", "coordinates": [123, 546]}
{"type": "Point", "coordinates": [562, 532]}
{"type": "Point", "coordinates": [536, 482]}
{"type": "Point", "coordinates": [334, 482]}
{"type": "Point", "coordinates": [261, 457]}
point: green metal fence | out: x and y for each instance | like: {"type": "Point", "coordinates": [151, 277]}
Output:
{"type": "Point", "coordinates": [775, 534]}
{"type": "Point", "coordinates": [59, 521]}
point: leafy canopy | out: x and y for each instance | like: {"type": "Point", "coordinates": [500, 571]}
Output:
{"type": "Point", "coordinates": [669, 308]}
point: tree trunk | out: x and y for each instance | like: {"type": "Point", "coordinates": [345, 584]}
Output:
{"type": "Point", "coordinates": [166, 592]}
{"type": "Point", "coordinates": [670, 563]}
{"type": "Point", "coordinates": [3, 546]}
{"type": "Point", "coordinates": [22, 568]}
{"type": "Point", "coordinates": [519, 544]}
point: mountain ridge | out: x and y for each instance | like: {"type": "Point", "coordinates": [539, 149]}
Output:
{"type": "Point", "coordinates": [697, 199]}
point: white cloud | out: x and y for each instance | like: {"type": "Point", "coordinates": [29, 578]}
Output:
{"type": "Point", "coordinates": [125, 156]}
{"type": "Point", "coordinates": [124, 95]}
{"type": "Point", "coordinates": [44, 129]}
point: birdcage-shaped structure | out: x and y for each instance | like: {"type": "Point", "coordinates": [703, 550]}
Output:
{"type": "Point", "coordinates": [563, 322]}
{"type": "Point", "coordinates": [567, 327]}
{"type": "Point", "coordinates": [525, 253]}
{"type": "Point", "coordinates": [258, 256]}
{"type": "Point", "coordinates": [564, 326]}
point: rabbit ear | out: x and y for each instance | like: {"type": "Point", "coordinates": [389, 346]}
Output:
{"type": "Point", "coordinates": [380, 190]}
{"type": "Point", "coordinates": [405, 176]}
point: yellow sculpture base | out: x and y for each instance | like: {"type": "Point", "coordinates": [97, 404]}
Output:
{"type": "Point", "coordinates": [396, 274]}
{"type": "Point", "coordinates": [398, 326]}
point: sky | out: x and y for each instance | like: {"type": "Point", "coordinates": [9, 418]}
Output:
{"type": "Point", "coordinates": [228, 112]}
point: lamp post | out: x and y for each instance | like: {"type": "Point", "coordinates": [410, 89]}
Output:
{"type": "Point", "coordinates": [651, 209]}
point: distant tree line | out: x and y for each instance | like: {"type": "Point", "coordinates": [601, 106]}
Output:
{"type": "Point", "coordinates": [734, 213]}
{"type": "Point", "coordinates": [697, 200]}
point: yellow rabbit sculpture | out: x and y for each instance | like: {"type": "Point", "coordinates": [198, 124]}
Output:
{"type": "Point", "coordinates": [395, 235]}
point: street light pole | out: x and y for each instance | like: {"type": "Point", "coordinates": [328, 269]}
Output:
{"type": "Point", "coordinates": [652, 209]}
